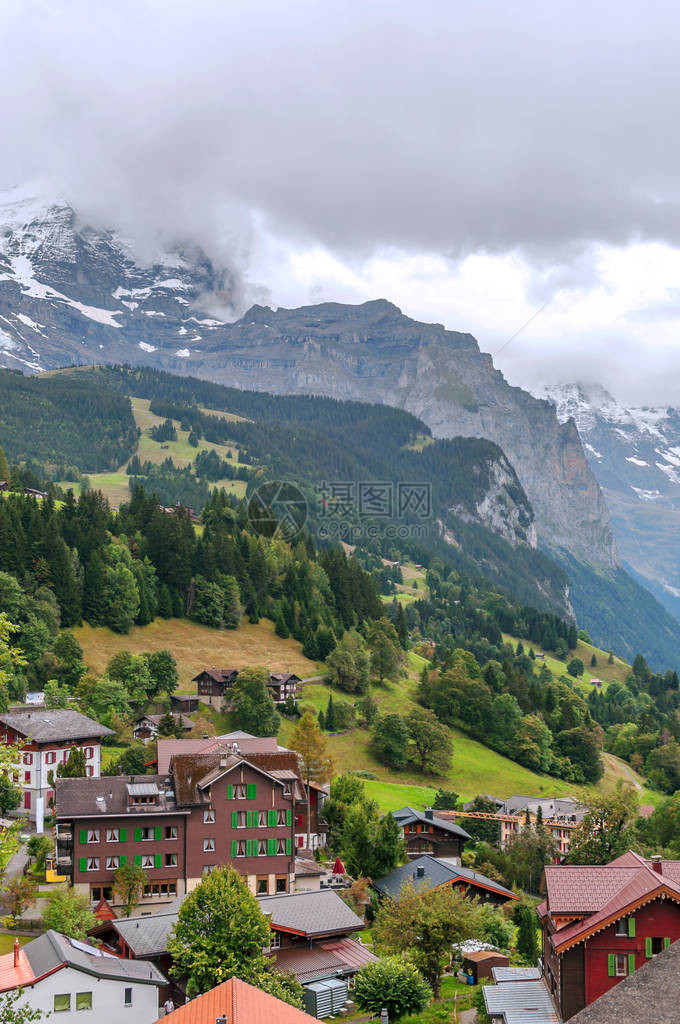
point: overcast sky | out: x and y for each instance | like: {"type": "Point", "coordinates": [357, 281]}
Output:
{"type": "Point", "coordinates": [467, 160]}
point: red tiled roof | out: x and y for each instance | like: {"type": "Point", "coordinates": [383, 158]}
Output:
{"type": "Point", "coordinates": [241, 1004]}
{"type": "Point", "coordinates": [11, 976]}
{"type": "Point", "coordinates": [617, 889]}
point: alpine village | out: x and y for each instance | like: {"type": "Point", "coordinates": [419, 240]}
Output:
{"type": "Point", "coordinates": [339, 650]}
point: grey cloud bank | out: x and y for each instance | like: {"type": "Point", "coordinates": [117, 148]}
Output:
{"type": "Point", "coordinates": [531, 132]}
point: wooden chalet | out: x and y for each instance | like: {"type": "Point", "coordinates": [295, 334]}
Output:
{"type": "Point", "coordinates": [427, 873]}
{"type": "Point", "coordinates": [214, 684]}
{"type": "Point", "coordinates": [426, 832]}
{"type": "Point", "coordinates": [603, 923]}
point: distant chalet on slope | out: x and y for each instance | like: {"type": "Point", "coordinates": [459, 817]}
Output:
{"type": "Point", "coordinates": [214, 684]}
{"type": "Point", "coordinates": [602, 924]}
{"type": "Point", "coordinates": [428, 833]}
{"type": "Point", "coordinates": [46, 738]}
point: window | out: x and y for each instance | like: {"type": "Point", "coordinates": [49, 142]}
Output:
{"type": "Point", "coordinates": [209, 817]}
{"type": "Point", "coordinates": [241, 848]}
{"type": "Point", "coordinates": [112, 863]}
{"type": "Point", "coordinates": [262, 885]}
{"type": "Point", "coordinates": [281, 817]}
{"type": "Point", "coordinates": [93, 835]}
{"type": "Point", "coordinates": [261, 819]}
{"type": "Point", "coordinates": [83, 1000]}
{"type": "Point", "coordinates": [274, 940]}
{"type": "Point", "coordinates": [28, 758]}
{"type": "Point", "coordinates": [147, 860]}
{"type": "Point", "coordinates": [240, 791]}
{"type": "Point", "coordinates": [208, 846]}
{"type": "Point", "coordinates": [27, 777]}
{"type": "Point", "coordinates": [622, 926]}
{"type": "Point", "coordinates": [146, 834]}
{"type": "Point", "coordinates": [89, 771]}
{"type": "Point", "coordinates": [620, 965]}
{"type": "Point", "coordinates": [101, 892]}
{"type": "Point", "coordinates": [50, 757]}
{"type": "Point", "coordinates": [286, 789]}
{"type": "Point", "coordinates": [209, 868]}
{"type": "Point", "coordinates": [171, 831]}
{"type": "Point", "coordinates": [89, 752]}
{"type": "Point", "coordinates": [241, 819]}
{"type": "Point", "coordinates": [112, 835]}
{"type": "Point", "coordinates": [280, 846]}
{"type": "Point", "coordinates": [62, 1003]}
{"type": "Point", "coordinates": [27, 801]}
{"type": "Point", "coordinates": [92, 864]}
{"type": "Point", "coordinates": [282, 883]}
{"type": "Point", "coordinates": [261, 848]}
{"type": "Point", "coordinates": [171, 860]}
{"type": "Point", "coordinates": [128, 997]}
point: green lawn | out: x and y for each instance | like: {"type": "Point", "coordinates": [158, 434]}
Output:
{"type": "Point", "coordinates": [110, 754]}
{"type": "Point", "coordinates": [7, 942]}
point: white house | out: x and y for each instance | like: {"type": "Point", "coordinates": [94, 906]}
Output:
{"type": "Point", "coordinates": [77, 982]}
{"type": "Point", "coordinates": [45, 738]}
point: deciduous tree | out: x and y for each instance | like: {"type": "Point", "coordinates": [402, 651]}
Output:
{"type": "Point", "coordinates": [69, 913]}
{"type": "Point", "coordinates": [128, 886]}
{"type": "Point", "coordinates": [315, 759]}
{"type": "Point", "coordinates": [394, 984]}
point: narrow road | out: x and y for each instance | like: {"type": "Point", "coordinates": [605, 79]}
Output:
{"type": "Point", "coordinates": [626, 770]}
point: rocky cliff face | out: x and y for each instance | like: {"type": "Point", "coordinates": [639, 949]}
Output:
{"type": "Point", "coordinates": [72, 295]}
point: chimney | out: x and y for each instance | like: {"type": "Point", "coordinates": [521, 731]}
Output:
{"type": "Point", "coordinates": [420, 871]}
{"type": "Point", "coordinates": [429, 813]}
{"type": "Point", "coordinates": [656, 863]}
{"type": "Point", "coordinates": [16, 953]}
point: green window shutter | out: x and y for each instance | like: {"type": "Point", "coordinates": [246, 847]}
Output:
{"type": "Point", "coordinates": [249, 819]}
{"type": "Point", "coordinates": [123, 861]}
{"type": "Point", "coordinates": [631, 963]}
{"type": "Point", "coordinates": [158, 860]}
{"type": "Point", "coordinates": [648, 947]}
{"type": "Point", "coordinates": [249, 848]}
{"type": "Point", "coordinates": [233, 847]}
{"type": "Point", "coordinates": [138, 835]}
{"type": "Point", "coordinates": [288, 847]}
{"type": "Point", "coordinates": [289, 816]}
{"type": "Point", "coordinates": [666, 942]}
{"type": "Point", "coordinates": [271, 847]}
{"type": "Point", "coordinates": [234, 819]}
{"type": "Point", "coordinates": [82, 835]}
{"type": "Point", "coordinates": [272, 818]}
{"type": "Point", "coordinates": [631, 927]}
{"type": "Point", "coordinates": [82, 864]}
{"type": "Point", "coordinates": [611, 965]}
{"type": "Point", "coordinates": [158, 832]}
{"type": "Point", "coordinates": [251, 791]}
{"type": "Point", "coordinates": [138, 860]}
{"type": "Point", "coordinates": [123, 835]}
{"type": "Point", "coordinates": [230, 792]}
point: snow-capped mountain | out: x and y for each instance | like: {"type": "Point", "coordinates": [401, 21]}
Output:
{"type": "Point", "coordinates": [70, 293]}
{"type": "Point", "coordinates": [635, 455]}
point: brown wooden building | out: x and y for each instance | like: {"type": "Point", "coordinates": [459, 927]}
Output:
{"type": "Point", "coordinates": [425, 833]}
{"type": "Point", "coordinates": [210, 809]}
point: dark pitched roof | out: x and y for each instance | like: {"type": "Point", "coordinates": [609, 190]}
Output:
{"type": "Point", "coordinates": [109, 795]}
{"type": "Point", "coordinates": [53, 950]}
{"type": "Point", "coordinates": [652, 993]}
{"type": "Point", "coordinates": [185, 722]}
{"type": "Point", "coordinates": [408, 816]}
{"type": "Point", "coordinates": [194, 772]}
{"type": "Point", "coordinates": [277, 678]}
{"type": "Point", "coordinates": [320, 912]}
{"type": "Point", "coordinates": [436, 871]}
{"type": "Point", "coordinates": [145, 936]}
{"type": "Point", "coordinates": [50, 726]}
{"type": "Point", "coordinates": [218, 675]}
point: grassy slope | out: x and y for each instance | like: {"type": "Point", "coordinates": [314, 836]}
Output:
{"type": "Point", "coordinates": [196, 647]}
{"type": "Point", "coordinates": [115, 485]}
{"type": "Point", "coordinates": [607, 673]}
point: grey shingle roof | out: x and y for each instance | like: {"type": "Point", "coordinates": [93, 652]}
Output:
{"type": "Point", "coordinates": [52, 950]}
{"type": "Point", "coordinates": [311, 913]}
{"type": "Point", "coordinates": [436, 871]}
{"type": "Point", "coordinates": [324, 960]}
{"type": "Point", "coordinates": [148, 935]}
{"type": "Point", "coordinates": [407, 816]}
{"type": "Point", "coordinates": [50, 726]}
{"type": "Point", "coordinates": [86, 798]}
{"type": "Point", "coordinates": [520, 1001]}
{"type": "Point", "coordinates": [651, 993]}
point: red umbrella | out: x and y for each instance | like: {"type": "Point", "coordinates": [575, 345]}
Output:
{"type": "Point", "coordinates": [338, 867]}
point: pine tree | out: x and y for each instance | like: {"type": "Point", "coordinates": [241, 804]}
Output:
{"type": "Point", "coordinates": [331, 724]}
{"type": "Point", "coordinates": [321, 720]}
{"type": "Point", "coordinates": [401, 627]}
{"type": "Point", "coordinates": [4, 467]}
{"type": "Point", "coordinates": [593, 661]}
